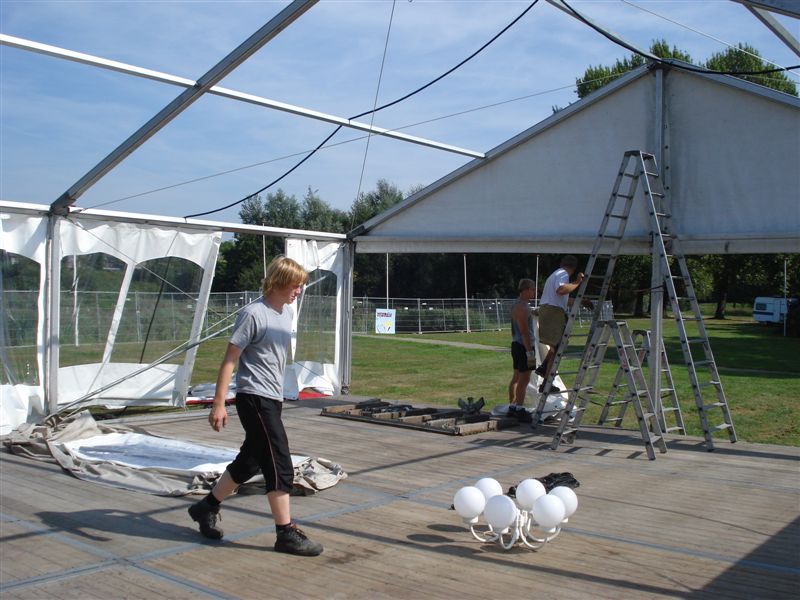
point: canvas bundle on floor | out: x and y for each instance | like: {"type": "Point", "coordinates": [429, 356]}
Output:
{"type": "Point", "coordinates": [123, 457]}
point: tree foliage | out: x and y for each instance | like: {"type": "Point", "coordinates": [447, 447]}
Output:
{"type": "Point", "coordinates": [596, 77]}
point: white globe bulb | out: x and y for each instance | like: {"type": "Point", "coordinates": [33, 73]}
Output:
{"type": "Point", "coordinates": [528, 491]}
{"type": "Point", "coordinates": [568, 497]}
{"type": "Point", "coordinates": [469, 502]}
{"type": "Point", "coordinates": [489, 487]}
{"type": "Point", "coordinates": [500, 512]}
{"type": "Point", "coordinates": [548, 511]}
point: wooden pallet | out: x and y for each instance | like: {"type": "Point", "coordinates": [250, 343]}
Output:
{"type": "Point", "coordinates": [450, 421]}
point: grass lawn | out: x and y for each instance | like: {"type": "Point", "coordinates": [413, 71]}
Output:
{"type": "Point", "coordinates": [759, 368]}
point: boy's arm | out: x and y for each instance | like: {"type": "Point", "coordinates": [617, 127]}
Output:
{"type": "Point", "coordinates": [218, 417]}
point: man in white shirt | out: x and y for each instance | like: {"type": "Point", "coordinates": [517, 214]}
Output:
{"type": "Point", "coordinates": [553, 311]}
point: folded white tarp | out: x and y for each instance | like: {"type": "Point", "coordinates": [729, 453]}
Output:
{"type": "Point", "coordinates": [119, 457]}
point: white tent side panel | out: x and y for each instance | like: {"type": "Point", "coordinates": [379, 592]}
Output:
{"type": "Point", "coordinates": [731, 155]}
{"type": "Point", "coordinates": [552, 188]}
{"type": "Point", "coordinates": [23, 232]}
{"type": "Point", "coordinates": [735, 164]}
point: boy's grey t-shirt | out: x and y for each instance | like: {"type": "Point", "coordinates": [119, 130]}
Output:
{"type": "Point", "coordinates": [264, 335]}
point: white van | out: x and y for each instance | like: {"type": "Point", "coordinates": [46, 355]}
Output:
{"type": "Point", "coordinates": [771, 310]}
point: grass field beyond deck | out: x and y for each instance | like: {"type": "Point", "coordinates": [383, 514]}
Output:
{"type": "Point", "coordinates": [760, 373]}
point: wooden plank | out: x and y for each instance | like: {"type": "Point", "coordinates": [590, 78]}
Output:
{"type": "Point", "coordinates": [692, 524]}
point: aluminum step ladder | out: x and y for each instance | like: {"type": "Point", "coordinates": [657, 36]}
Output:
{"type": "Point", "coordinates": [636, 392]}
{"type": "Point", "coordinates": [637, 165]}
{"type": "Point", "coordinates": [641, 339]}
{"type": "Point", "coordinates": [602, 259]}
{"type": "Point", "coordinates": [703, 373]}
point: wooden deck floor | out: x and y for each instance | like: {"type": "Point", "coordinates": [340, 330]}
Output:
{"type": "Point", "coordinates": [691, 524]}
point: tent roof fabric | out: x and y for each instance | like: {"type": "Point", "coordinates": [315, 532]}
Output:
{"type": "Point", "coordinates": [730, 155]}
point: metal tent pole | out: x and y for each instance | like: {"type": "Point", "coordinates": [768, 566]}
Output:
{"type": "Point", "coordinates": [466, 293]}
{"type": "Point", "coordinates": [657, 278]}
{"type": "Point", "coordinates": [246, 49]}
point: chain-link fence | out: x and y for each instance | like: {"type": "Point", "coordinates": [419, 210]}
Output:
{"type": "Point", "coordinates": [86, 316]}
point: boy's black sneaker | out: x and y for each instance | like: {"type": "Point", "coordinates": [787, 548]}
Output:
{"type": "Point", "coordinates": [541, 370]}
{"type": "Point", "coordinates": [294, 541]}
{"type": "Point", "coordinates": [207, 518]}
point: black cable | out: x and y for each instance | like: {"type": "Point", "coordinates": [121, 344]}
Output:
{"type": "Point", "coordinates": [335, 131]}
{"type": "Point", "coordinates": [269, 185]}
{"type": "Point", "coordinates": [669, 62]}
{"type": "Point", "coordinates": [446, 73]}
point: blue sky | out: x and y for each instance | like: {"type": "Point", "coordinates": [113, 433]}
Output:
{"type": "Point", "coordinates": [58, 119]}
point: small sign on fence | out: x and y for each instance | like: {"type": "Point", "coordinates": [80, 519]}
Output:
{"type": "Point", "coordinates": [384, 320]}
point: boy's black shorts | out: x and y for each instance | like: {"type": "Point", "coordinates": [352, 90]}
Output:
{"type": "Point", "coordinates": [265, 447]}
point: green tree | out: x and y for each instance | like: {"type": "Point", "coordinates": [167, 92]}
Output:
{"type": "Point", "coordinates": [746, 58]}
{"type": "Point", "coordinates": [596, 77]}
{"type": "Point", "coordinates": [241, 264]}
{"type": "Point", "coordinates": [317, 215]}
{"type": "Point", "coordinates": [369, 278]}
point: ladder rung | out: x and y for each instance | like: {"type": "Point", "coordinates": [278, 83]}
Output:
{"type": "Point", "coordinates": [614, 420]}
{"type": "Point", "coordinates": [642, 393]}
{"type": "Point", "coordinates": [713, 405]}
{"type": "Point", "coordinates": [671, 409]}
{"type": "Point", "coordinates": [616, 216]}
{"type": "Point", "coordinates": [631, 175]}
{"type": "Point", "coordinates": [703, 363]}
{"type": "Point", "coordinates": [696, 340]}
{"type": "Point", "coordinates": [568, 431]}
{"type": "Point", "coordinates": [611, 237]}
{"type": "Point", "coordinates": [573, 355]}
{"type": "Point", "coordinates": [670, 429]}
{"type": "Point", "coordinates": [706, 384]}
{"type": "Point", "coordinates": [667, 215]}
{"type": "Point", "coordinates": [617, 402]}
{"type": "Point", "coordinates": [623, 196]}
{"type": "Point", "coordinates": [652, 193]}
{"type": "Point", "coordinates": [651, 174]}
{"type": "Point", "coordinates": [721, 427]}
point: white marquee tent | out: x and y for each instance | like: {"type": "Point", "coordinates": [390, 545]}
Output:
{"type": "Point", "coordinates": [729, 152]}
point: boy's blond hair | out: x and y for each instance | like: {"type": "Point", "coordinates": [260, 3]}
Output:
{"type": "Point", "coordinates": [283, 272]}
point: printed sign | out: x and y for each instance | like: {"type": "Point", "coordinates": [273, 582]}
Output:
{"type": "Point", "coordinates": [384, 320]}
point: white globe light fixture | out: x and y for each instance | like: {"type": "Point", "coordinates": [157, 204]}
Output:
{"type": "Point", "coordinates": [528, 491]}
{"type": "Point", "coordinates": [469, 502]}
{"type": "Point", "coordinates": [490, 487]}
{"type": "Point", "coordinates": [500, 513]}
{"type": "Point", "coordinates": [568, 497]}
{"type": "Point", "coordinates": [508, 523]}
{"type": "Point", "coordinates": [548, 512]}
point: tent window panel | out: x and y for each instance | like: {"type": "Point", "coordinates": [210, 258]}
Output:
{"type": "Point", "coordinates": [89, 290]}
{"type": "Point", "coordinates": [159, 310]}
{"type": "Point", "coordinates": [19, 295]}
{"type": "Point", "coordinates": [316, 324]}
